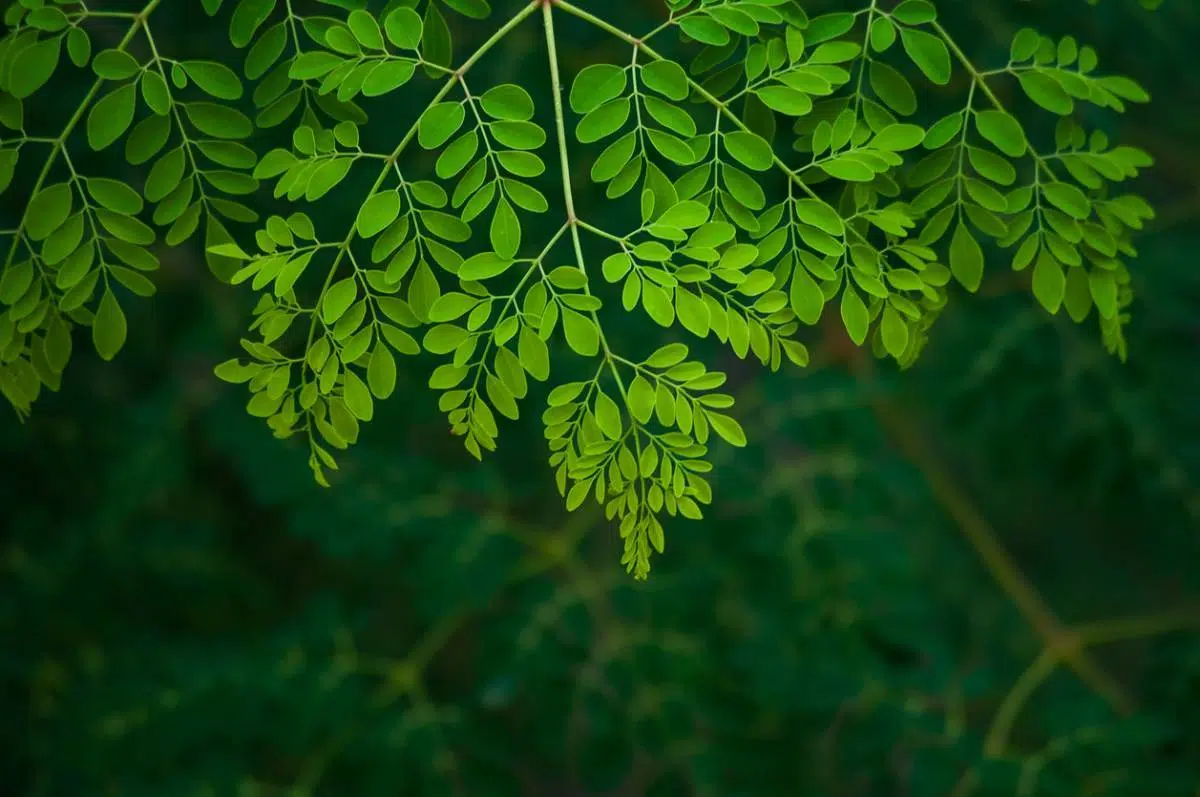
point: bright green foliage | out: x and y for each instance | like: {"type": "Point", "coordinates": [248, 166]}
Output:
{"type": "Point", "coordinates": [83, 245]}
{"type": "Point", "coordinates": [772, 163]}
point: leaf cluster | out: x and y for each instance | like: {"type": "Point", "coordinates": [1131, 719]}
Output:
{"type": "Point", "coordinates": [773, 167]}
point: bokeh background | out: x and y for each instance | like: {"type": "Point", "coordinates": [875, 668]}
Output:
{"type": "Point", "coordinates": [979, 576]}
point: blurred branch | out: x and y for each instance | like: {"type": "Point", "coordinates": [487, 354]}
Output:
{"type": "Point", "coordinates": [995, 743]}
{"type": "Point", "coordinates": [902, 428]}
{"type": "Point", "coordinates": [1124, 629]}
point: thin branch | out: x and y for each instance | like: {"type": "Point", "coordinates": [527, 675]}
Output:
{"type": "Point", "coordinates": [998, 561]}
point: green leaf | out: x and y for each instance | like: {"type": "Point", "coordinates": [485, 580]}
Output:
{"type": "Point", "coordinates": [704, 29]}
{"type": "Point", "coordinates": [326, 177]}
{"type": "Point", "coordinates": [750, 150]}
{"type": "Point", "coordinates": [522, 164]}
{"type": "Point", "coordinates": [582, 335]}
{"type": "Point", "coordinates": [109, 326]}
{"type": "Point", "coordinates": [436, 43]}
{"type": "Point", "coordinates": [929, 53]}
{"type": "Point", "coordinates": [484, 266]}
{"type": "Point", "coordinates": [668, 355]}
{"type": "Point", "coordinates": [1049, 282]}
{"type": "Point", "coordinates": [357, 397]}
{"type": "Point", "coordinates": [519, 135]}
{"type": "Point", "coordinates": [8, 167]}
{"type": "Point", "coordinates": [377, 213]}
{"type": "Point", "coordinates": [404, 28]}
{"type": "Point", "coordinates": [439, 123]}
{"type": "Point", "coordinates": [671, 147]}
{"type": "Point", "coordinates": [603, 121]}
{"type": "Point", "coordinates": [124, 227]}
{"type": "Point", "coordinates": [854, 315]}
{"type": "Point", "coordinates": [1003, 131]}
{"type": "Point", "coordinates": [115, 195]}
{"type": "Point", "coordinates": [455, 157]}
{"type": "Point", "coordinates": [595, 85]}
{"type": "Point", "coordinates": [33, 66]}
{"type": "Point", "coordinates": [670, 116]}
{"type": "Point", "coordinates": [641, 399]}
{"type": "Point", "coordinates": [215, 79]}
{"type": "Point", "coordinates": [386, 77]}
{"type": "Point", "coordinates": [115, 65]}
{"type": "Point", "coordinates": [1125, 88]}
{"type": "Point", "coordinates": [338, 298]}
{"type": "Point", "coordinates": [505, 230]}
{"type": "Point", "coordinates": [915, 12]}
{"type": "Point", "coordinates": [1103, 288]}
{"type": "Point", "coordinates": [692, 312]}
{"type": "Point", "coordinates": [1046, 92]}
{"type": "Point", "coordinates": [608, 415]}
{"type": "Point", "coordinates": [898, 137]}
{"type": "Point", "coordinates": [806, 298]}
{"type": "Point", "coordinates": [147, 139]}
{"type": "Point", "coordinates": [365, 29]}
{"type": "Point", "coordinates": [534, 355]}
{"type": "Point", "coordinates": [247, 18]}
{"type": "Point", "coordinates": [313, 64]}
{"type": "Point", "coordinates": [615, 157]}
{"type": "Point", "coordinates": [893, 88]}
{"type": "Point", "coordinates": [47, 210]}
{"type": "Point", "coordinates": [475, 9]}
{"type": "Point", "coordinates": [508, 102]}
{"type": "Point", "coordinates": [156, 93]}
{"type": "Point", "coordinates": [683, 215]}
{"type": "Point", "coordinates": [165, 175]}
{"type": "Point", "coordinates": [667, 78]}
{"type": "Point", "coordinates": [16, 281]}
{"type": "Point", "coordinates": [111, 116]}
{"type": "Point", "coordinates": [1068, 199]}
{"type": "Point", "coordinates": [219, 121]}
{"type": "Point", "coordinates": [735, 19]}
{"type": "Point", "coordinates": [966, 258]}
{"type": "Point", "coordinates": [381, 372]}
{"type": "Point", "coordinates": [785, 99]}
{"type": "Point", "coordinates": [729, 429]}
{"type": "Point", "coordinates": [894, 332]}
{"type": "Point", "coordinates": [1077, 298]}
{"type": "Point", "coordinates": [451, 306]}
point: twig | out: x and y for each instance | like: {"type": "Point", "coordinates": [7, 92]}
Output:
{"type": "Point", "coordinates": [999, 563]}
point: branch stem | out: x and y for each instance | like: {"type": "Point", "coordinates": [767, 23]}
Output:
{"type": "Point", "coordinates": [560, 129]}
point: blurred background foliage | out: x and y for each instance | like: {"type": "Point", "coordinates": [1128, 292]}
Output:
{"type": "Point", "coordinates": [975, 577]}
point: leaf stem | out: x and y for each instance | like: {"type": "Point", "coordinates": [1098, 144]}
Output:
{"type": "Point", "coordinates": [560, 129]}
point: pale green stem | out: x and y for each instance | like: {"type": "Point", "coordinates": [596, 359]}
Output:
{"type": "Point", "coordinates": [560, 128]}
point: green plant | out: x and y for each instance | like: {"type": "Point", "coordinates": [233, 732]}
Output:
{"type": "Point", "coordinates": [789, 167]}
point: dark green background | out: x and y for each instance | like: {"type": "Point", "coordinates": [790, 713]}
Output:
{"type": "Point", "coordinates": [185, 613]}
